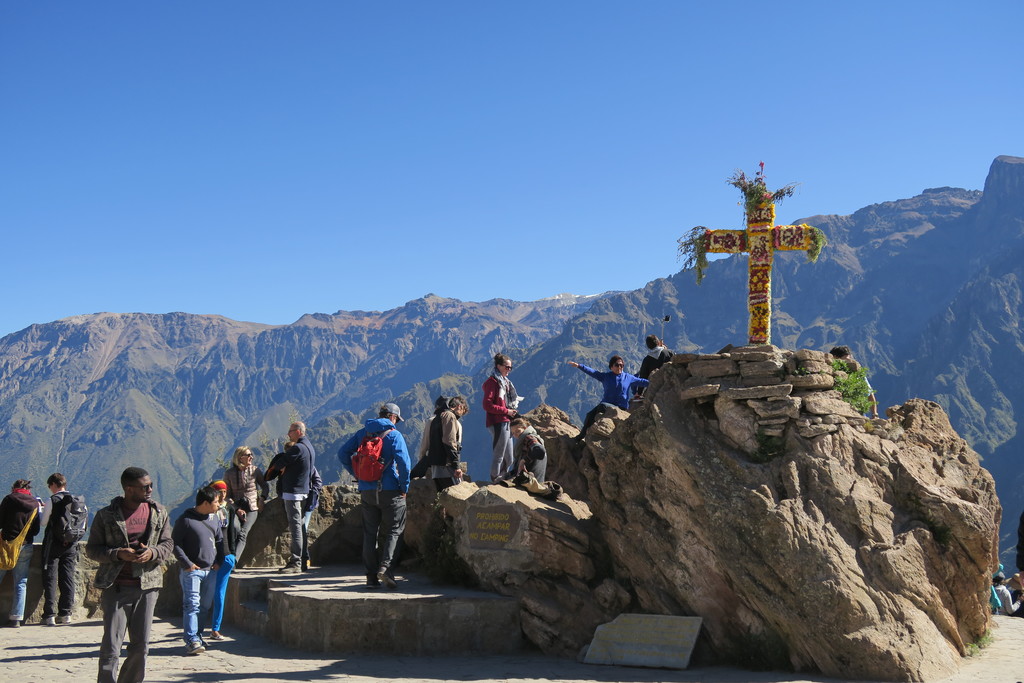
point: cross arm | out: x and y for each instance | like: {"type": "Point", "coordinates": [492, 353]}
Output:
{"type": "Point", "coordinates": [801, 237]}
{"type": "Point", "coordinates": [699, 242]}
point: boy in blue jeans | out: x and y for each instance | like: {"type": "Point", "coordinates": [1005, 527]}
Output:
{"type": "Point", "coordinates": [200, 552]}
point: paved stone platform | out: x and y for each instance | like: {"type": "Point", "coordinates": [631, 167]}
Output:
{"type": "Point", "coordinates": [38, 654]}
{"type": "Point", "coordinates": [330, 610]}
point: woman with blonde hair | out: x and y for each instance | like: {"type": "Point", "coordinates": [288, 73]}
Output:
{"type": "Point", "coordinates": [247, 491]}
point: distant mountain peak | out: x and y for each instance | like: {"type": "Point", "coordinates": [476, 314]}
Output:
{"type": "Point", "coordinates": [1004, 185]}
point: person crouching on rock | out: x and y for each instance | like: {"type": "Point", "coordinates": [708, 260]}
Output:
{"type": "Point", "coordinates": [618, 386]}
{"type": "Point", "coordinates": [530, 453]}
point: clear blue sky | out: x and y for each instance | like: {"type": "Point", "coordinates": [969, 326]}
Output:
{"type": "Point", "coordinates": [262, 160]}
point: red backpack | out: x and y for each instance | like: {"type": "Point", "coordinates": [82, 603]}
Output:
{"type": "Point", "coordinates": [366, 462]}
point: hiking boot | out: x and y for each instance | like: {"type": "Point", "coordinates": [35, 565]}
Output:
{"type": "Point", "coordinates": [385, 576]}
{"type": "Point", "coordinates": [290, 568]}
{"type": "Point", "coordinates": [194, 648]}
{"type": "Point", "coordinates": [49, 621]}
{"type": "Point", "coordinates": [64, 619]}
{"type": "Point", "coordinates": [372, 581]}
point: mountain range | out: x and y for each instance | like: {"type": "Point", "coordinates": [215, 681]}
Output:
{"type": "Point", "coordinates": [925, 290]}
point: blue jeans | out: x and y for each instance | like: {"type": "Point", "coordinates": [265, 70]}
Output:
{"type": "Point", "coordinates": [220, 591]}
{"type": "Point", "coordinates": [293, 513]}
{"type": "Point", "coordinates": [197, 589]}
{"type": "Point", "coordinates": [20, 579]}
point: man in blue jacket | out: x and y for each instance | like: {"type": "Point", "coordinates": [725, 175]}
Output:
{"type": "Point", "coordinates": [383, 501]}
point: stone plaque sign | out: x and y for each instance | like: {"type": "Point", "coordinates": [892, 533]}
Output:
{"type": "Point", "coordinates": [653, 640]}
{"type": "Point", "coordinates": [492, 526]}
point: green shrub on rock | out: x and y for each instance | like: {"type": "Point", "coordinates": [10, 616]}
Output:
{"type": "Point", "coordinates": [853, 386]}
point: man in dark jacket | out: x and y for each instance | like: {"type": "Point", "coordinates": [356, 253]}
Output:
{"type": "Point", "coordinates": [383, 501]}
{"type": "Point", "coordinates": [294, 466]}
{"type": "Point", "coordinates": [19, 510]}
{"type": "Point", "coordinates": [130, 539]}
{"type": "Point", "coordinates": [60, 559]}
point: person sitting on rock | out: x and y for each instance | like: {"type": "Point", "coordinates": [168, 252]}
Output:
{"type": "Point", "coordinates": [529, 449]}
{"type": "Point", "coordinates": [1016, 586]}
{"type": "Point", "coordinates": [657, 355]}
{"type": "Point", "coordinates": [1007, 605]}
{"type": "Point", "coordinates": [618, 386]}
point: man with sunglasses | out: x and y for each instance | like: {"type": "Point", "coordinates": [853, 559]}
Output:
{"type": "Point", "coordinates": [130, 539]}
{"type": "Point", "coordinates": [618, 387]}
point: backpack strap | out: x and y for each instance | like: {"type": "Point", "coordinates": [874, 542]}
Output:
{"type": "Point", "coordinates": [387, 465]}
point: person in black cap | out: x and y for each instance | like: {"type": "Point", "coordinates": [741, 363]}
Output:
{"type": "Point", "coordinates": [383, 499]}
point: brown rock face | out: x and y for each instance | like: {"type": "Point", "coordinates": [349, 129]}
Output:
{"type": "Point", "coordinates": [546, 553]}
{"type": "Point", "coordinates": [860, 552]}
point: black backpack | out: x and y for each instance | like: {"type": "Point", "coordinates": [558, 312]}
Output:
{"type": "Point", "coordinates": [70, 527]}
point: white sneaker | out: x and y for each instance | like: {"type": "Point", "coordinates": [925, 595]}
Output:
{"type": "Point", "coordinates": [49, 621]}
{"type": "Point", "coordinates": [194, 648]}
{"type": "Point", "coordinates": [66, 619]}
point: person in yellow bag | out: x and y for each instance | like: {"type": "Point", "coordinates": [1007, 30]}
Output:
{"type": "Point", "coordinates": [19, 519]}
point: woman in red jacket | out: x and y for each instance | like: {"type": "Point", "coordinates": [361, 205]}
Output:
{"type": "Point", "coordinates": [500, 403]}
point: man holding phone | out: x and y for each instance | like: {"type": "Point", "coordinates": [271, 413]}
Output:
{"type": "Point", "coordinates": [130, 539]}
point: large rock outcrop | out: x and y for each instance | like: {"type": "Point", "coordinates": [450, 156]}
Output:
{"type": "Point", "coordinates": [742, 489]}
{"type": "Point", "coordinates": [802, 533]}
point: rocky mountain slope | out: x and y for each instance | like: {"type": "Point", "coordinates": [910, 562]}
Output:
{"type": "Point", "coordinates": [926, 291]}
{"type": "Point", "coordinates": [175, 393]}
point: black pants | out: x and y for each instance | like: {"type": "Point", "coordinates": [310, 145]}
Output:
{"type": "Point", "coordinates": [59, 570]}
{"type": "Point", "coordinates": [591, 417]}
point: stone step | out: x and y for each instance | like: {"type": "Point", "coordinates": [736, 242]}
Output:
{"type": "Point", "coordinates": [330, 610]}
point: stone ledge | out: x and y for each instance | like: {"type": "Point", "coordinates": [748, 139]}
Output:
{"type": "Point", "coordinates": [330, 610]}
{"type": "Point", "coordinates": [738, 394]}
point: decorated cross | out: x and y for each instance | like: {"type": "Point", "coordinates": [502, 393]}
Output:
{"type": "Point", "coordinates": [761, 240]}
